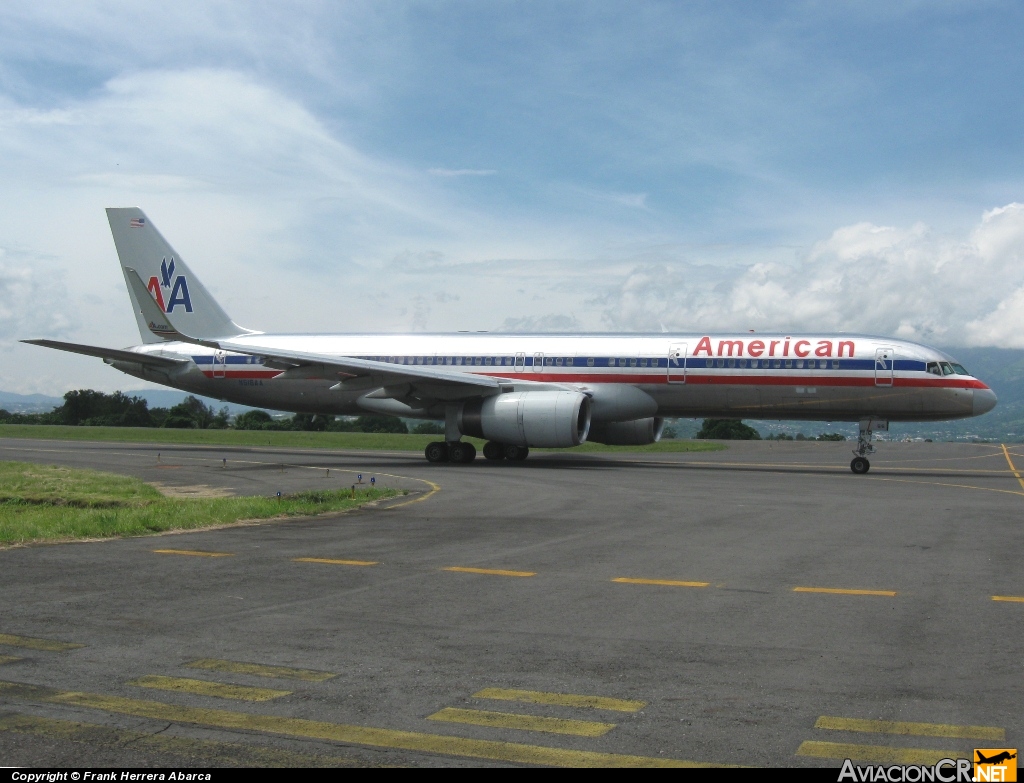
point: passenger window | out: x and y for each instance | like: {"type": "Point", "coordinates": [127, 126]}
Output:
{"type": "Point", "coordinates": [743, 362]}
{"type": "Point", "coordinates": [835, 365]}
{"type": "Point", "coordinates": [569, 360]}
{"type": "Point", "coordinates": [643, 362]}
{"type": "Point", "coordinates": [632, 362]}
{"type": "Point", "coordinates": [487, 360]}
{"type": "Point", "coordinates": [799, 364]}
{"type": "Point", "coordinates": [777, 363]}
{"type": "Point", "coordinates": [558, 361]}
{"type": "Point", "coordinates": [789, 364]}
{"type": "Point", "coordinates": [590, 362]}
{"type": "Point", "coordinates": [721, 362]}
{"type": "Point", "coordinates": [711, 362]}
{"type": "Point", "coordinates": [732, 362]}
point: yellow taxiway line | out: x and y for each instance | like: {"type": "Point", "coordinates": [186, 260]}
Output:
{"type": "Point", "coordinates": [192, 553]}
{"type": "Point", "coordinates": [667, 582]}
{"type": "Point", "coordinates": [879, 754]}
{"type": "Point", "coordinates": [1010, 463]}
{"type": "Point", "coordinates": [337, 732]}
{"type": "Point", "coordinates": [9, 659]}
{"type": "Point", "coordinates": [329, 561]}
{"type": "Point", "coordinates": [206, 688]}
{"type": "Point", "coordinates": [30, 643]}
{"type": "Point", "coordinates": [560, 699]}
{"type": "Point", "coordinates": [259, 670]}
{"type": "Point", "coordinates": [1017, 599]}
{"type": "Point", "coordinates": [491, 571]}
{"type": "Point", "coordinates": [510, 720]}
{"type": "Point", "coordinates": [841, 591]}
{"type": "Point", "coordinates": [916, 729]}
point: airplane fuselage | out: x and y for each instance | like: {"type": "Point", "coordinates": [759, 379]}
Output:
{"type": "Point", "coordinates": [753, 376]}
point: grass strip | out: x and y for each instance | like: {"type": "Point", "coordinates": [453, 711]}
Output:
{"type": "Point", "coordinates": [53, 503]}
{"type": "Point", "coordinates": [358, 441]}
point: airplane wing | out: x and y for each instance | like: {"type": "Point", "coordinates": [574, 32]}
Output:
{"type": "Point", "coordinates": [300, 364]}
{"type": "Point", "coordinates": [395, 381]}
{"type": "Point", "coordinates": [110, 353]}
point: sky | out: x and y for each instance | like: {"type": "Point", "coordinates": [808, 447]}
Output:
{"type": "Point", "coordinates": [503, 166]}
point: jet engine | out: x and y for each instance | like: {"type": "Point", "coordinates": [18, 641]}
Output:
{"type": "Point", "coordinates": [638, 432]}
{"type": "Point", "coordinates": [547, 419]}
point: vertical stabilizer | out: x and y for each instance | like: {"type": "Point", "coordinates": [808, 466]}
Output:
{"type": "Point", "coordinates": [173, 287]}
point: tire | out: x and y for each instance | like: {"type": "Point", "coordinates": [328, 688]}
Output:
{"type": "Point", "coordinates": [516, 453]}
{"type": "Point", "coordinates": [860, 466]}
{"type": "Point", "coordinates": [436, 452]}
{"type": "Point", "coordinates": [457, 451]}
{"type": "Point", "coordinates": [494, 451]}
{"type": "Point", "coordinates": [470, 453]}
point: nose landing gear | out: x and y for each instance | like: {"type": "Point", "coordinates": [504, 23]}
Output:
{"type": "Point", "coordinates": [860, 464]}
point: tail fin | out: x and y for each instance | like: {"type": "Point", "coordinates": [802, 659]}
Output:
{"type": "Point", "coordinates": [173, 287]}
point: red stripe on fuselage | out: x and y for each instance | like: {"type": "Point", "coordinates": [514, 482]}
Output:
{"type": "Point", "coordinates": [953, 382]}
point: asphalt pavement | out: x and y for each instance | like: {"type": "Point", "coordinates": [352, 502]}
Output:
{"type": "Point", "coordinates": [756, 606]}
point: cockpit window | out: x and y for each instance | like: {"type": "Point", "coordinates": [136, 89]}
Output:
{"type": "Point", "coordinates": [959, 369]}
{"type": "Point", "coordinates": [946, 368]}
{"type": "Point", "coordinates": [933, 368]}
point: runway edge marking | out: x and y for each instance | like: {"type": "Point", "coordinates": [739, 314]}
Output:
{"type": "Point", "coordinates": [336, 732]}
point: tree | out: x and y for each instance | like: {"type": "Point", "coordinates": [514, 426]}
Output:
{"type": "Point", "coordinates": [311, 422]}
{"type": "Point", "coordinates": [369, 424]}
{"type": "Point", "coordinates": [89, 407]}
{"type": "Point", "coordinates": [193, 413]}
{"type": "Point", "coordinates": [381, 424]}
{"type": "Point", "coordinates": [727, 429]}
{"type": "Point", "coordinates": [253, 420]}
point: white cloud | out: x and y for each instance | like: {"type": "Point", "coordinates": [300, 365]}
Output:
{"type": "Point", "coordinates": [910, 283]}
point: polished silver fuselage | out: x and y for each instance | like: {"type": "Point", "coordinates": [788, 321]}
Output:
{"type": "Point", "coordinates": [752, 376]}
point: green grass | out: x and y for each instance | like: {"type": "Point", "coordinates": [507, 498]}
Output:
{"type": "Point", "coordinates": [53, 503]}
{"type": "Point", "coordinates": [357, 441]}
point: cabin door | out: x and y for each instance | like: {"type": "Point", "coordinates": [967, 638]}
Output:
{"type": "Point", "coordinates": [677, 363]}
{"type": "Point", "coordinates": [220, 361]}
{"type": "Point", "coordinates": [884, 367]}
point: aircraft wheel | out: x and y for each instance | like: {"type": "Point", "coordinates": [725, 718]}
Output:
{"type": "Point", "coordinates": [461, 452]}
{"type": "Point", "coordinates": [516, 453]}
{"type": "Point", "coordinates": [860, 466]}
{"type": "Point", "coordinates": [494, 451]}
{"type": "Point", "coordinates": [436, 452]}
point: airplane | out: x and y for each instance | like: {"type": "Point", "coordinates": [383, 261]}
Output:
{"type": "Point", "coordinates": [996, 759]}
{"type": "Point", "coordinates": [522, 391]}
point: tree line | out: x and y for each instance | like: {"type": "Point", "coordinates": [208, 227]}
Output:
{"type": "Point", "coordinates": [86, 407]}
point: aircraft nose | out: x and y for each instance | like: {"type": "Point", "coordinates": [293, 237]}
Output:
{"type": "Point", "coordinates": [984, 401]}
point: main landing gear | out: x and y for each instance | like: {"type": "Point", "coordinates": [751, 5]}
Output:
{"type": "Point", "coordinates": [860, 464]}
{"type": "Point", "coordinates": [457, 451]}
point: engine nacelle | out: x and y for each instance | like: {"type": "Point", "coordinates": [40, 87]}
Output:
{"type": "Point", "coordinates": [638, 432]}
{"type": "Point", "coordinates": [546, 419]}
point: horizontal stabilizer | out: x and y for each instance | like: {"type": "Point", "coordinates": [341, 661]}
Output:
{"type": "Point", "coordinates": [109, 353]}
